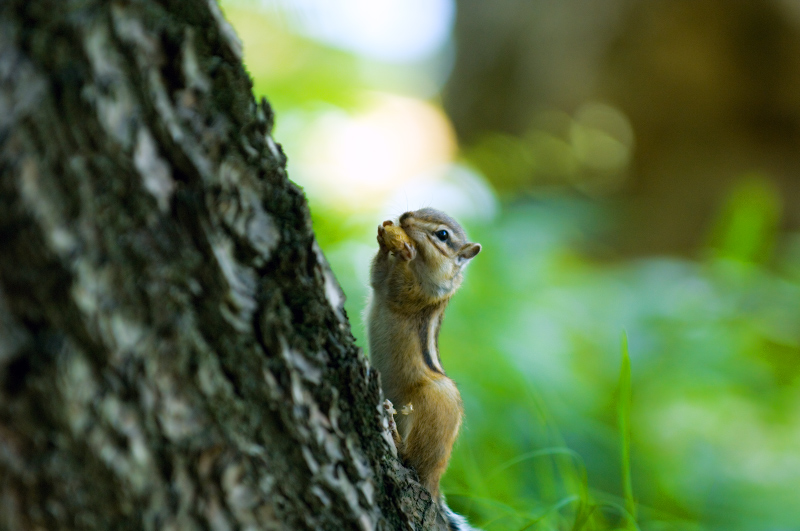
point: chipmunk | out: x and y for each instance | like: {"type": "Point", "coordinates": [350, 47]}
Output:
{"type": "Point", "coordinates": [418, 268]}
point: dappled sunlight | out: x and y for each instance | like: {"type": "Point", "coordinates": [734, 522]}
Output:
{"type": "Point", "coordinates": [389, 30]}
{"type": "Point", "coordinates": [589, 150]}
{"type": "Point", "coordinates": [553, 189]}
{"type": "Point", "coordinates": [360, 158]}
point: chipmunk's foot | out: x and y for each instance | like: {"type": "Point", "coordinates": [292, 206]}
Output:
{"type": "Point", "coordinates": [391, 426]}
{"type": "Point", "coordinates": [389, 407]}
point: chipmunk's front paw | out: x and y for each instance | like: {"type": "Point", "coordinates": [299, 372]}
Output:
{"type": "Point", "coordinates": [407, 253]}
{"type": "Point", "coordinates": [395, 240]}
{"type": "Point", "coordinates": [382, 238]}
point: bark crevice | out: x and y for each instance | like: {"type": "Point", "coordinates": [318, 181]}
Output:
{"type": "Point", "coordinates": [174, 353]}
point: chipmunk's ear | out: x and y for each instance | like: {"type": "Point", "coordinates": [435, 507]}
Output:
{"type": "Point", "coordinates": [468, 251]}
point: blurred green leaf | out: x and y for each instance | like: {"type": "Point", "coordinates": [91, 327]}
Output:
{"type": "Point", "coordinates": [747, 226]}
{"type": "Point", "coordinates": [624, 415]}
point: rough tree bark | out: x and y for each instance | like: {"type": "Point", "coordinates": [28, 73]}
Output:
{"type": "Point", "coordinates": [174, 353]}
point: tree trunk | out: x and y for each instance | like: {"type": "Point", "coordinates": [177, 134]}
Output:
{"type": "Point", "coordinates": [174, 353]}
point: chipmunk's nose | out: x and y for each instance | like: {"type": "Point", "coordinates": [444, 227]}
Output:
{"type": "Point", "coordinates": [405, 216]}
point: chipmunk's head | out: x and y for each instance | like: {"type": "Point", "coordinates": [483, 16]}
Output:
{"type": "Point", "coordinates": [442, 247]}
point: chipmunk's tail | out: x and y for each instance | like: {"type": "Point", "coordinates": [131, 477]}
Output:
{"type": "Point", "coordinates": [455, 522]}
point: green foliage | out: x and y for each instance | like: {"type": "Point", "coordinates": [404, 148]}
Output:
{"type": "Point", "coordinates": [292, 71]}
{"type": "Point", "coordinates": [747, 226]}
{"type": "Point", "coordinates": [553, 438]}
{"type": "Point", "coordinates": [702, 415]}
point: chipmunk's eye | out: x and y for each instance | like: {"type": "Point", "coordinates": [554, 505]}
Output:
{"type": "Point", "coordinates": [442, 235]}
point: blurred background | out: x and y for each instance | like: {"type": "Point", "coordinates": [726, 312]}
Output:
{"type": "Point", "coordinates": [627, 166]}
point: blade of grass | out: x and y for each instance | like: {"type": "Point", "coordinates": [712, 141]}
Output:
{"type": "Point", "coordinates": [624, 416]}
{"type": "Point", "coordinates": [584, 516]}
{"type": "Point", "coordinates": [544, 452]}
{"type": "Point", "coordinates": [552, 509]}
{"type": "Point", "coordinates": [565, 468]}
{"type": "Point", "coordinates": [507, 510]}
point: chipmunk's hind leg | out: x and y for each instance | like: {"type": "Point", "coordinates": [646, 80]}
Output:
{"type": "Point", "coordinates": [436, 420]}
{"type": "Point", "coordinates": [398, 441]}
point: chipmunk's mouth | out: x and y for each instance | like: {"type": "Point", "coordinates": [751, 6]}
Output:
{"type": "Point", "coordinates": [416, 235]}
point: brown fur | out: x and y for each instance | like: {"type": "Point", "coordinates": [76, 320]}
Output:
{"type": "Point", "coordinates": [412, 285]}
